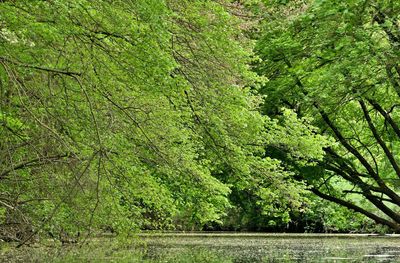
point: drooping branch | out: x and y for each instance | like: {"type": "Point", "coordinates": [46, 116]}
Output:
{"type": "Point", "coordinates": [325, 117]}
{"type": "Point", "coordinates": [358, 209]}
{"type": "Point", "coordinates": [53, 70]}
{"type": "Point", "coordinates": [366, 191]}
{"type": "Point", "coordinates": [352, 177]}
{"type": "Point", "coordinates": [358, 155]}
{"type": "Point", "coordinates": [33, 162]}
{"type": "Point", "coordinates": [67, 196]}
{"type": "Point", "coordinates": [362, 193]}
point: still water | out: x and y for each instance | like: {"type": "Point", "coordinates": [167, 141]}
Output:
{"type": "Point", "coordinates": [213, 248]}
{"type": "Point", "coordinates": [276, 247]}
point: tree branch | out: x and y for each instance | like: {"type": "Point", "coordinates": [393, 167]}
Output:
{"type": "Point", "coordinates": [58, 71]}
{"type": "Point", "coordinates": [358, 209]}
{"type": "Point", "coordinates": [383, 145]}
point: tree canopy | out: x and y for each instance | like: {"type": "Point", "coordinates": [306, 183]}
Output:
{"type": "Point", "coordinates": [130, 115]}
{"type": "Point", "coordinates": [127, 115]}
{"type": "Point", "coordinates": [336, 61]}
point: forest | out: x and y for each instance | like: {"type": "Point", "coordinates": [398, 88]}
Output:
{"type": "Point", "coordinates": [198, 115]}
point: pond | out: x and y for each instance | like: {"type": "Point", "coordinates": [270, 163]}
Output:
{"type": "Point", "coordinates": [278, 247]}
{"type": "Point", "coordinates": [216, 247]}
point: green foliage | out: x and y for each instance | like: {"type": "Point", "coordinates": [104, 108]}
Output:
{"type": "Point", "coordinates": [336, 62]}
{"type": "Point", "coordinates": [126, 115]}
{"type": "Point", "coordinates": [118, 116]}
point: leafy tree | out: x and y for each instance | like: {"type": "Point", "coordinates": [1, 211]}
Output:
{"type": "Point", "coordinates": [121, 115]}
{"type": "Point", "coordinates": [337, 62]}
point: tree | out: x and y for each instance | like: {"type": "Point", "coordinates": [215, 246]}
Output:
{"type": "Point", "coordinates": [128, 115]}
{"type": "Point", "coordinates": [336, 61]}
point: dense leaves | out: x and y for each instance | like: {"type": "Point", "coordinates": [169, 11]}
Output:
{"type": "Point", "coordinates": [126, 115]}
{"type": "Point", "coordinates": [336, 61]}
{"type": "Point", "coordinates": [122, 115]}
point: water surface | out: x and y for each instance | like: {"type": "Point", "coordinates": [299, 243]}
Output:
{"type": "Point", "coordinates": [213, 248]}
{"type": "Point", "coordinates": [277, 247]}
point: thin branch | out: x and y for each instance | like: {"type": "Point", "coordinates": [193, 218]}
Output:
{"type": "Point", "coordinates": [58, 71]}
{"type": "Point", "coordinates": [378, 138]}
{"type": "Point", "coordinates": [358, 209]}
{"type": "Point", "coordinates": [34, 162]}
